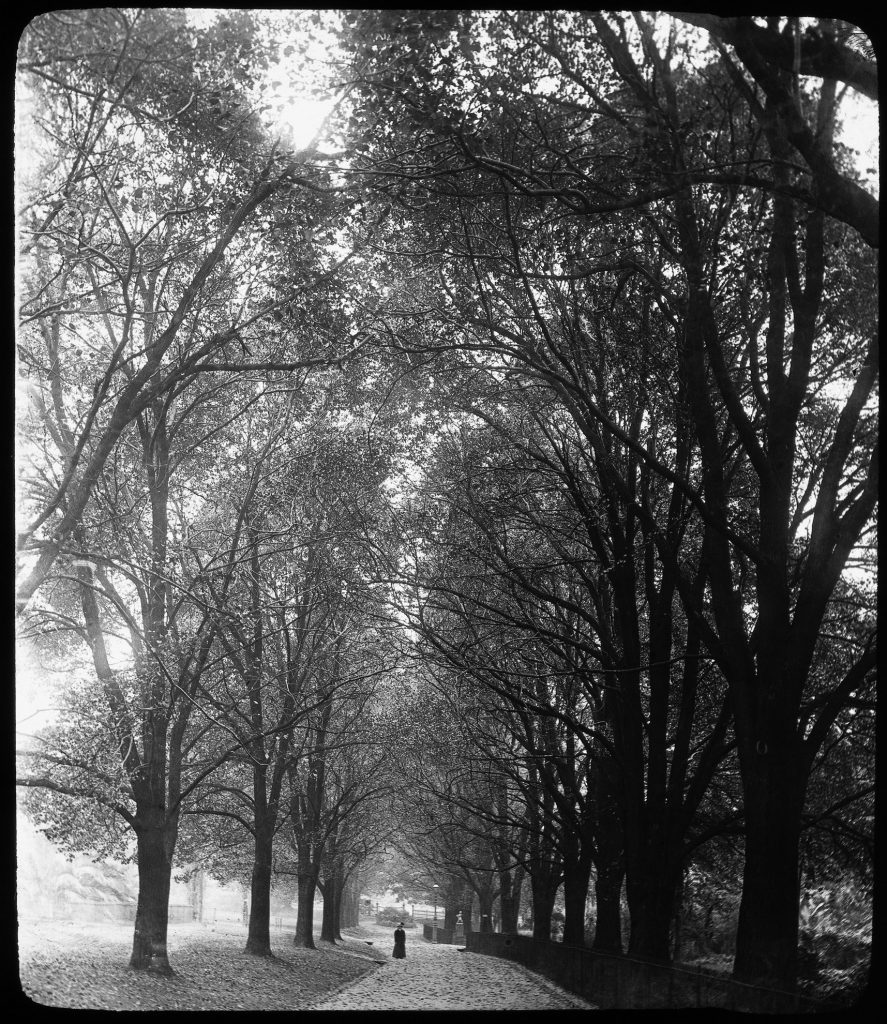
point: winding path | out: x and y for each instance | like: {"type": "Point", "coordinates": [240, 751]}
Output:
{"type": "Point", "coordinates": [440, 977]}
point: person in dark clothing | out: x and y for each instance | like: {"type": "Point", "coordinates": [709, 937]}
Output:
{"type": "Point", "coordinates": [400, 942]}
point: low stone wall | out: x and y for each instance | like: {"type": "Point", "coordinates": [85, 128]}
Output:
{"type": "Point", "coordinates": [621, 982]}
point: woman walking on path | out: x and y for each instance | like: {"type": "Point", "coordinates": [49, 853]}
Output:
{"type": "Point", "coordinates": [400, 942]}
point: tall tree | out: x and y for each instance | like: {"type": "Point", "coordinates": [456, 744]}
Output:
{"type": "Point", "coordinates": [129, 573]}
{"type": "Point", "coordinates": [143, 215]}
{"type": "Point", "coordinates": [747, 270]}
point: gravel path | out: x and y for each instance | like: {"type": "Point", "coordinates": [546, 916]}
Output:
{"type": "Point", "coordinates": [439, 977]}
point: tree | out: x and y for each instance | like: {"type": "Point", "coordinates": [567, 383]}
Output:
{"type": "Point", "coordinates": [768, 667]}
{"type": "Point", "coordinates": [141, 718]}
{"type": "Point", "coordinates": [115, 243]}
{"type": "Point", "coordinates": [739, 265]}
{"type": "Point", "coordinates": [774, 56]}
{"type": "Point", "coordinates": [517, 576]}
{"type": "Point", "coordinates": [145, 275]}
{"type": "Point", "coordinates": [361, 784]}
{"type": "Point", "coordinates": [264, 625]}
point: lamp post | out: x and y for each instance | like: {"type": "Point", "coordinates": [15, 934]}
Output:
{"type": "Point", "coordinates": [434, 926]}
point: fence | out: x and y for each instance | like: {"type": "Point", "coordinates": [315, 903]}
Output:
{"type": "Point", "coordinates": [427, 917]}
{"type": "Point", "coordinates": [621, 982]}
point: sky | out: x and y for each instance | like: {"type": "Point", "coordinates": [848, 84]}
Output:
{"type": "Point", "coordinates": [860, 132]}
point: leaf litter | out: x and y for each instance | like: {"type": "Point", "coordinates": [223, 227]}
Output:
{"type": "Point", "coordinates": [85, 966]}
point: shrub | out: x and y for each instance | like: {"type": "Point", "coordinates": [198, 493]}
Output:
{"type": "Point", "coordinates": [393, 916]}
{"type": "Point", "coordinates": [842, 986]}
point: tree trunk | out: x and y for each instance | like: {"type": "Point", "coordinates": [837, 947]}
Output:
{"type": "Point", "coordinates": [258, 940]}
{"type": "Point", "coordinates": [651, 888]}
{"type": "Point", "coordinates": [608, 911]}
{"type": "Point", "coordinates": [327, 923]}
{"type": "Point", "coordinates": [352, 907]}
{"type": "Point", "coordinates": [453, 900]}
{"type": "Point", "coordinates": [304, 936]}
{"type": "Point", "coordinates": [577, 872]}
{"type": "Point", "coordinates": [155, 844]}
{"type": "Point", "coordinates": [338, 899]}
{"type": "Point", "coordinates": [508, 902]}
{"type": "Point", "coordinates": [543, 905]}
{"type": "Point", "coordinates": [610, 866]}
{"type": "Point", "coordinates": [767, 934]}
{"type": "Point", "coordinates": [467, 902]}
{"type": "Point", "coordinates": [651, 910]}
{"type": "Point", "coordinates": [485, 901]}
{"type": "Point", "coordinates": [517, 882]}
{"type": "Point", "coordinates": [451, 908]}
{"type": "Point", "coordinates": [348, 914]}
{"type": "Point", "coordinates": [197, 891]}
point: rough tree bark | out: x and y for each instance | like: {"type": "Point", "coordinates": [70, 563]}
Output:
{"type": "Point", "coordinates": [258, 941]}
{"type": "Point", "coordinates": [609, 862]}
{"type": "Point", "coordinates": [576, 876]}
{"type": "Point", "coordinates": [155, 839]}
{"type": "Point", "coordinates": [306, 885]}
{"type": "Point", "coordinates": [509, 899]}
{"type": "Point", "coordinates": [485, 904]}
{"type": "Point", "coordinates": [608, 910]}
{"type": "Point", "coordinates": [327, 919]}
